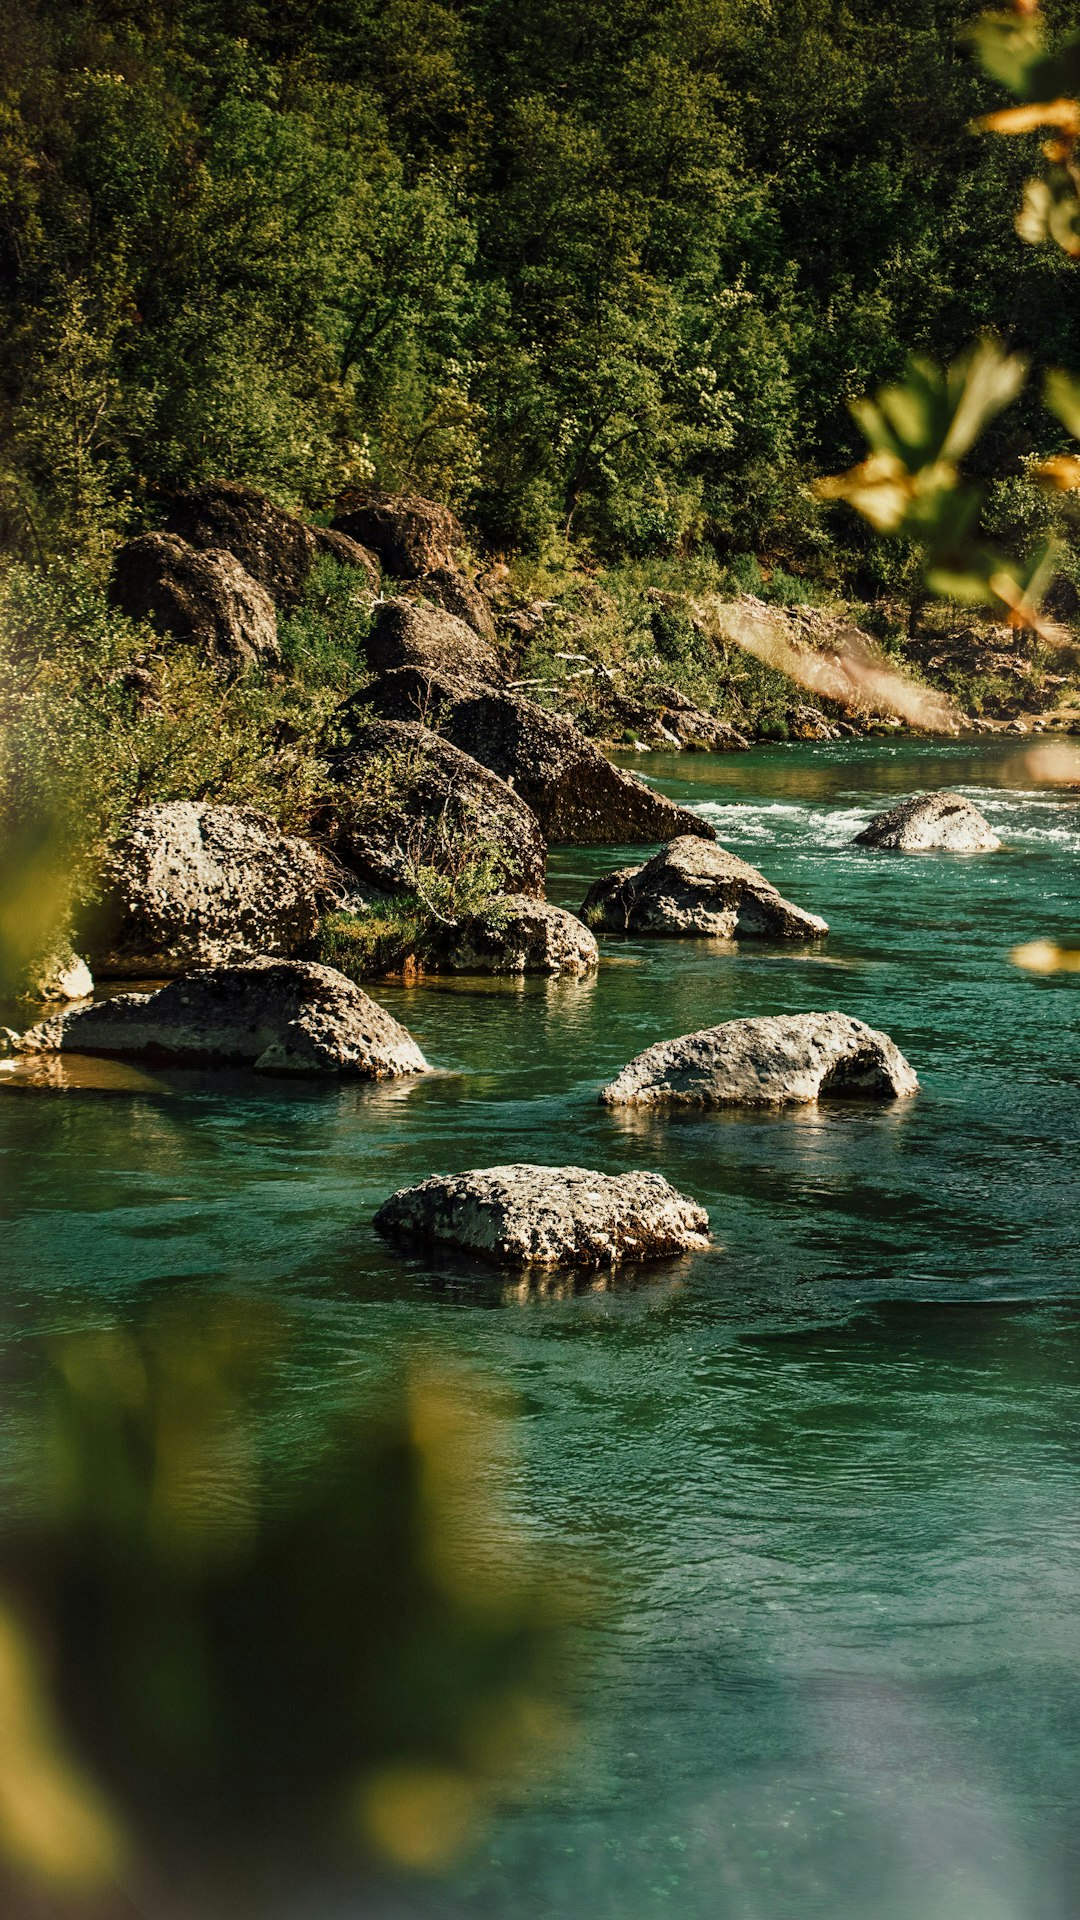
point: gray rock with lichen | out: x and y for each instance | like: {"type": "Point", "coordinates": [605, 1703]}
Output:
{"type": "Point", "coordinates": [767, 1062]}
{"type": "Point", "coordinates": [519, 935]}
{"type": "Point", "coordinates": [189, 884]}
{"type": "Point", "coordinates": [278, 1016]}
{"type": "Point", "coordinates": [930, 823]}
{"type": "Point", "coordinates": [694, 887]}
{"type": "Point", "coordinates": [528, 1216]}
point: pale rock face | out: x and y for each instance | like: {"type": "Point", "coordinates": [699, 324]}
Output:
{"type": "Point", "coordinates": [520, 935]}
{"type": "Point", "coordinates": [693, 887]}
{"type": "Point", "coordinates": [532, 1216]}
{"type": "Point", "coordinates": [61, 976]}
{"type": "Point", "coordinates": [767, 1062]}
{"type": "Point", "coordinates": [931, 823]}
{"type": "Point", "coordinates": [191, 885]}
{"type": "Point", "coordinates": [278, 1016]}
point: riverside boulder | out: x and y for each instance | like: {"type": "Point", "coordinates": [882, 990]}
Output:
{"type": "Point", "coordinates": [532, 1216]}
{"type": "Point", "coordinates": [694, 887]}
{"type": "Point", "coordinates": [347, 553]}
{"type": "Point", "coordinates": [519, 935]}
{"type": "Point", "coordinates": [411, 536]}
{"type": "Point", "coordinates": [278, 1016]}
{"type": "Point", "coordinates": [189, 884]}
{"type": "Point", "coordinates": [766, 1062]}
{"type": "Point", "coordinates": [930, 823]}
{"type": "Point", "coordinates": [404, 797]}
{"type": "Point", "coordinates": [406, 635]}
{"type": "Point", "coordinates": [579, 798]}
{"type": "Point", "coordinates": [204, 599]}
{"type": "Point", "coordinates": [455, 592]}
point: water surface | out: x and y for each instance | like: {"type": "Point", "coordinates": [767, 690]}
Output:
{"type": "Point", "coordinates": [831, 1466]}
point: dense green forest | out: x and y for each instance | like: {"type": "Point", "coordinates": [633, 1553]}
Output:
{"type": "Point", "coordinates": [611, 271]}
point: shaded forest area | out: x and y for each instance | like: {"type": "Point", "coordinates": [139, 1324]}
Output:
{"type": "Point", "coordinates": [609, 272]}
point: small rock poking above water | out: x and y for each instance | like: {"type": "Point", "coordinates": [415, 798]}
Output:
{"type": "Point", "coordinates": [930, 823]}
{"type": "Point", "coordinates": [548, 1216]}
{"type": "Point", "coordinates": [279, 1016]}
{"type": "Point", "coordinates": [767, 1062]}
{"type": "Point", "coordinates": [693, 887]}
{"type": "Point", "coordinates": [520, 935]}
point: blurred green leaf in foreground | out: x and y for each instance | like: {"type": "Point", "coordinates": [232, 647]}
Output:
{"type": "Point", "coordinates": [226, 1677]}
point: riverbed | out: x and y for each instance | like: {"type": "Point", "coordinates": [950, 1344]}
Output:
{"type": "Point", "coordinates": [831, 1467]}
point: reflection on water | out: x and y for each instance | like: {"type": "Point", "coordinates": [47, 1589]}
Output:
{"type": "Point", "coordinates": [832, 1462]}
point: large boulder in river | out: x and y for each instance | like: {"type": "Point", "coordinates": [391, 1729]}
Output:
{"type": "Point", "coordinates": [279, 1016]}
{"type": "Point", "coordinates": [405, 635]}
{"type": "Point", "coordinates": [205, 599]}
{"type": "Point", "coordinates": [411, 536]}
{"type": "Point", "coordinates": [519, 935]}
{"type": "Point", "coordinates": [767, 1062]}
{"type": "Point", "coordinates": [189, 885]}
{"type": "Point", "coordinates": [404, 797]}
{"type": "Point", "coordinates": [694, 887]}
{"type": "Point", "coordinates": [530, 1216]}
{"type": "Point", "coordinates": [931, 823]}
{"type": "Point", "coordinates": [579, 798]}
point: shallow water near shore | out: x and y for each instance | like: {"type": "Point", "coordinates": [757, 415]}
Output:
{"type": "Point", "coordinates": [831, 1467]}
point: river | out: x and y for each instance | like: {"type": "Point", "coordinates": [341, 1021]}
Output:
{"type": "Point", "coordinates": [831, 1467]}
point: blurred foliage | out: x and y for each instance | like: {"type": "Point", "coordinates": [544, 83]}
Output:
{"type": "Point", "coordinates": [222, 1676]}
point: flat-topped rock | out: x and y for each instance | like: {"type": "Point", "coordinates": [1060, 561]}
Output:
{"type": "Point", "coordinates": [768, 1062]}
{"type": "Point", "coordinates": [403, 796]}
{"type": "Point", "coordinates": [278, 1016]}
{"type": "Point", "coordinates": [930, 823]}
{"type": "Point", "coordinates": [531, 1216]}
{"type": "Point", "coordinates": [189, 884]}
{"type": "Point", "coordinates": [519, 935]}
{"type": "Point", "coordinates": [694, 887]}
{"type": "Point", "coordinates": [202, 598]}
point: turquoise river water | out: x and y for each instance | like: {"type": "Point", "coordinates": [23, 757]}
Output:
{"type": "Point", "coordinates": [833, 1464]}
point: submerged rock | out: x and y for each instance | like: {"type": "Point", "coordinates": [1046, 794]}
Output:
{"type": "Point", "coordinates": [404, 797]}
{"type": "Point", "coordinates": [694, 887]}
{"type": "Point", "coordinates": [931, 823]}
{"type": "Point", "coordinates": [279, 1016]}
{"type": "Point", "coordinates": [411, 536]}
{"type": "Point", "coordinates": [579, 798]}
{"type": "Point", "coordinates": [190, 884]}
{"type": "Point", "coordinates": [406, 635]}
{"type": "Point", "coordinates": [767, 1062]}
{"type": "Point", "coordinates": [204, 599]}
{"type": "Point", "coordinates": [519, 935]}
{"type": "Point", "coordinates": [548, 1216]}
